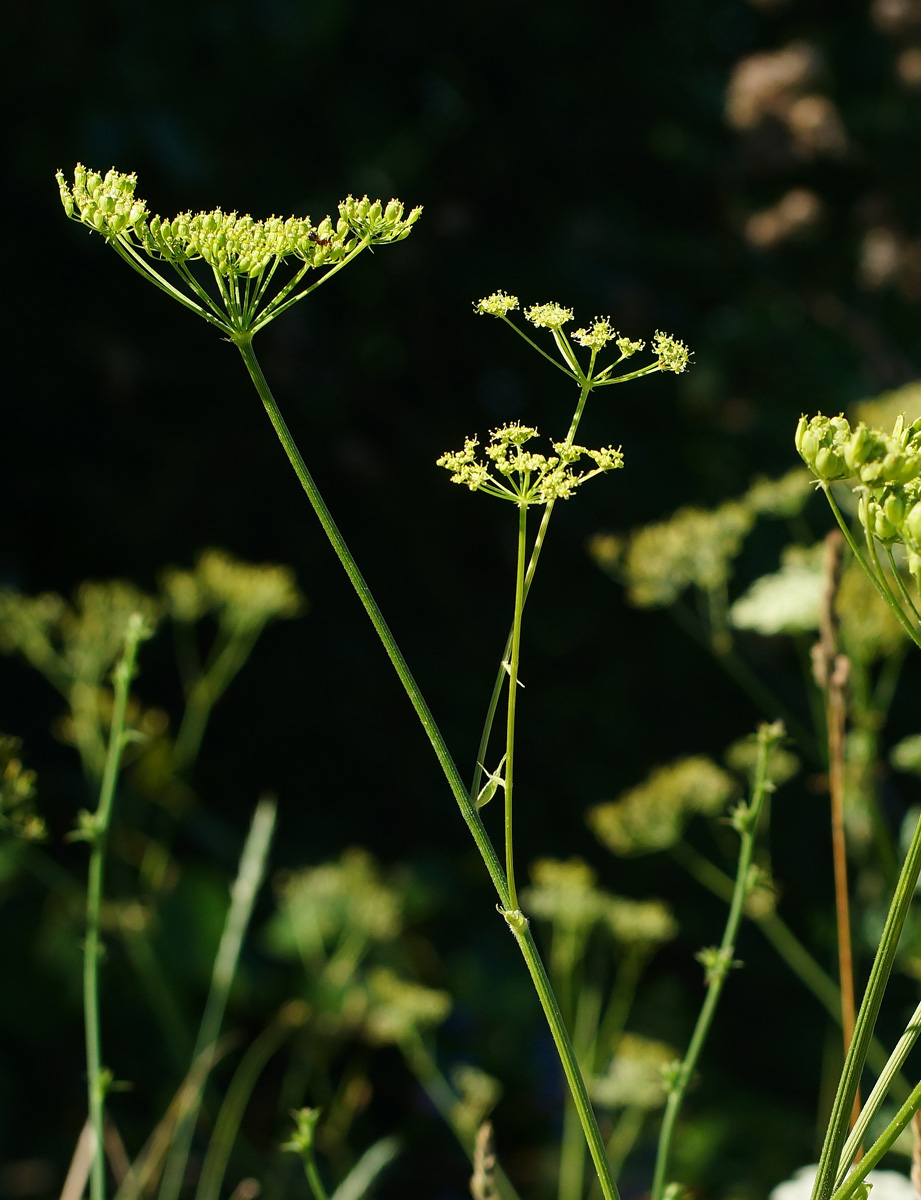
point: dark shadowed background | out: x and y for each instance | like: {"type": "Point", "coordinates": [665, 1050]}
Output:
{"type": "Point", "coordinates": [744, 175]}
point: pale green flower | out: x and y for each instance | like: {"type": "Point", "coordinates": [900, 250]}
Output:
{"type": "Point", "coordinates": [788, 601]}
{"type": "Point", "coordinates": [245, 595]}
{"type": "Point", "coordinates": [564, 893]}
{"type": "Point", "coordinates": [499, 304]}
{"type": "Point", "coordinates": [639, 922]}
{"type": "Point", "coordinates": [319, 906]}
{"type": "Point", "coordinates": [597, 335]}
{"type": "Point", "coordinates": [628, 348]}
{"type": "Point", "coordinates": [652, 815]}
{"type": "Point", "coordinates": [549, 316]}
{"type": "Point", "coordinates": [398, 1008]}
{"type": "Point", "coordinates": [673, 355]}
{"type": "Point", "coordinates": [634, 1076]}
{"type": "Point", "coordinates": [522, 476]}
{"type": "Point", "coordinates": [18, 817]}
{"type": "Point", "coordinates": [783, 497]}
{"type": "Point", "coordinates": [694, 547]}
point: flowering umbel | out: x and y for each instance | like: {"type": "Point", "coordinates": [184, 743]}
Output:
{"type": "Point", "coordinates": [516, 474]}
{"type": "Point", "coordinates": [242, 253]}
{"type": "Point", "coordinates": [671, 354]}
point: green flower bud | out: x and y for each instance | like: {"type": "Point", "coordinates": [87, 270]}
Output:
{"type": "Point", "coordinates": [874, 519]}
{"type": "Point", "coordinates": [821, 443]}
{"type": "Point", "coordinates": [895, 506]}
{"type": "Point", "coordinates": [912, 524]}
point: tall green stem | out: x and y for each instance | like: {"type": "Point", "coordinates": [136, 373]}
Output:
{"type": "Point", "coordinates": [468, 810]}
{"type": "Point", "coordinates": [512, 701]}
{"type": "Point", "coordinates": [121, 677]}
{"type": "Point", "coordinates": [746, 821]}
{"type": "Point", "coordinates": [567, 1055]}
{"type": "Point", "coordinates": [829, 1163]}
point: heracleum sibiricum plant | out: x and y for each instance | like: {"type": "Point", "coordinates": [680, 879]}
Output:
{"type": "Point", "coordinates": [883, 470]}
{"type": "Point", "coordinates": [245, 262]}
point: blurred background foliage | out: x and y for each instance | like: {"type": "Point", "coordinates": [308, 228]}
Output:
{"type": "Point", "coordinates": [741, 173]}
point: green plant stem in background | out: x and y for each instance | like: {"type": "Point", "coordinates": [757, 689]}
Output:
{"type": "Point", "coordinates": [227, 1125]}
{"type": "Point", "coordinates": [567, 1054]}
{"type": "Point", "coordinates": [242, 898]}
{"type": "Point", "coordinates": [422, 1063]}
{"type": "Point", "coordinates": [205, 691]}
{"type": "Point", "coordinates": [881, 1146]}
{"type": "Point", "coordinates": [98, 833]}
{"type": "Point", "coordinates": [512, 704]}
{"type": "Point", "coordinates": [745, 820]}
{"type": "Point", "coordinates": [572, 1147]}
{"type": "Point", "coordinates": [881, 1089]}
{"type": "Point", "coordinates": [464, 802]}
{"type": "Point", "coordinates": [830, 1161]}
{"type": "Point", "coordinates": [787, 945]}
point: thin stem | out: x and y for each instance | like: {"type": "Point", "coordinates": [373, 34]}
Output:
{"type": "Point", "coordinates": [903, 590]}
{"type": "Point", "coordinates": [242, 898]}
{"type": "Point", "coordinates": [567, 1054]}
{"type": "Point", "coordinates": [144, 269]}
{"type": "Point", "coordinates": [274, 309]}
{"type": "Point", "coordinates": [787, 945]}
{"type": "Point", "coordinates": [746, 821]}
{"type": "Point", "coordinates": [572, 1148]}
{"type": "Point", "coordinates": [512, 701]}
{"type": "Point", "coordinates": [528, 580]}
{"type": "Point", "coordinates": [866, 1020]}
{"type": "Point", "coordinates": [881, 1146]}
{"type": "Point", "coordinates": [885, 592]}
{"type": "Point", "coordinates": [549, 357]}
{"type": "Point", "coordinates": [206, 690]}
{"type": "Point", "coordinates": [422, 1063]}
{"type": "Point", "coordinates": [880, 1090]}
{"type": "Point", "coordinates": [468, 810]}
{"type": "Point", "coordinates": [228, 1121]}
{"type": "Point", "coordinates": [121, 676]}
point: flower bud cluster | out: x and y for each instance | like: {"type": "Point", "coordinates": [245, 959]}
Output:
{"type": "Point", "coordinates": [105, 203]}
{"type": "Point", "coordinates": [516, 474]}
{"type": "Point", "coordinates": [887, 465]}
{"type": "Point", "coordinates": [673, 355]}
{"type": "Point", "coordinates": [240, 246]}
{"type": "Point", "coordinates": [233, 245]}
{"type": "Point", "coordinates": [379, 224]}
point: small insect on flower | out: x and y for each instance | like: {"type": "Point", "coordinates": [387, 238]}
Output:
{"type": "Point", "coordinates": [312, 237]}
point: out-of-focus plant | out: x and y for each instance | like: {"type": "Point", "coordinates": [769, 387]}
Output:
{"type": "Point", "coordinates": [599, 946]}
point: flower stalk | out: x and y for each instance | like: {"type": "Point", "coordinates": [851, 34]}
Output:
{"type": "Point", "coordinates": [95, 829]}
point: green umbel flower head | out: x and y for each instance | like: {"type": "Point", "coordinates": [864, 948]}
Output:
{"type": "Point", "coordinates": [671, 354]}
{"type": "Point", "coordinates": [243, 254]}
{"type": "Point", "coordinates": [516, 474]}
